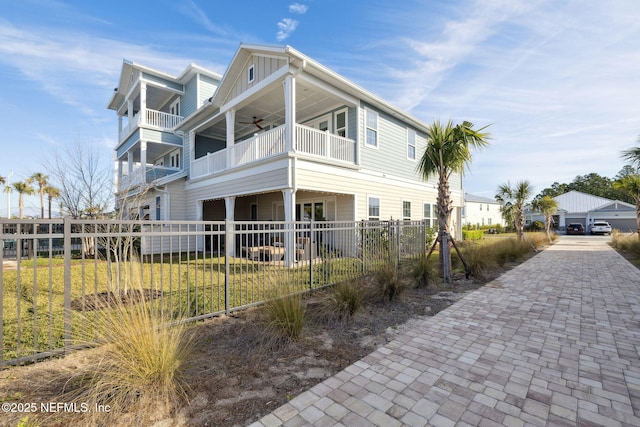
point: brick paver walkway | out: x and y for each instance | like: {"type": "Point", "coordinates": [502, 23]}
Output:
{"type": "Point", "coordinates": [555, 341]}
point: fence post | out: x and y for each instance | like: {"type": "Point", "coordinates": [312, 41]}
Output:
{"type": "Point", "coordinates": [67, 282]}
{"type": "Point", "coordinates": [444, 247]}
{"type": "Point", "coordinates": [227, 264]}
{"type": "Point", "coordinates": [312, 249]}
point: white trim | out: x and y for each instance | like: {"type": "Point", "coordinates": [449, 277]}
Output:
{"type": "Point", "coordinates": [315, 123]}
{"type": "Point", "coordinates": [402, 215]}
{"type": "Point", "coordinates": [415, 144]}
{"type": "Point", "coordinates": [367, 111]}
{"type": "Point", "coordinates": [369, 197]}
{"type": "Point", "coordinates": [251, 73]}
{"type": "Point", "coordinates": [346, 121]}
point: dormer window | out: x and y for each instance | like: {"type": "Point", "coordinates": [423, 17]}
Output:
{"type": "Point", "coordinates": [251, 74]}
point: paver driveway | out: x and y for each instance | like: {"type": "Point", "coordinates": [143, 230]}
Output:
{"type": "Point", "coordinates": [554, 341]}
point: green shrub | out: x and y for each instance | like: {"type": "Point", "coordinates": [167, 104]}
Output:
{"type": "Point", "coordinates": [472, 234]}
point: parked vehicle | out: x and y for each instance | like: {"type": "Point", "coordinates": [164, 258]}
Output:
{"type": "Point", "coordinates": [575, 228]}
{"type": "Point", "coordinates": [601, 227]}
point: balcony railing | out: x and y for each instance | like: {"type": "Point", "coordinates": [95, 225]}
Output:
{"type": "Point", "coordinates": [144, 175]}
{"type": "Point", "coordinates": [152, 118]}
{"type": "Point", "coordinates": [271, 143]}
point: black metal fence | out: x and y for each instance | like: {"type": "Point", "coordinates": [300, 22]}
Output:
{"type": "Point", "coordinates": [57, 276]}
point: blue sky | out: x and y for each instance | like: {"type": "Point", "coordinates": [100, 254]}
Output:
{"type": "Point", "coordinates": [559, 81]}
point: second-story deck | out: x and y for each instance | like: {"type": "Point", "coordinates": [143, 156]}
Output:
{"type": "Point", "coordinates": [315, 144]}
{"type": "Point", "coordinates": [152, 119]}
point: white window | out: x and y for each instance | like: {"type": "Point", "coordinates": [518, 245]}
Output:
{"type": "Point", "coordinates": [251, 74]}
{"type": "Point", "coordinates": [174, 109]}
{"type": "Point", "coordinates": [406, 210]}
{"type": "Point", "coordinates": [411, 144]}
{"type": "Point", "coordinates": [175, 159]}
{"type": "Point", "coordinates": [371, 129]}
{"type": "Point", "coordinates": [159, 162]}
{"type": "Point", "coordinates": [429, 214]}
{"type": "Point", "coordinates": [341, 123]}
{"type": "Point", "coordinates": [373, 204]}
{"type": "Point", "coordinates": [158, 208]}
{"type": "Point", "coordinates": [480, 206]}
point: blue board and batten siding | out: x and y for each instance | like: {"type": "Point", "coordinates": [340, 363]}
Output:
{"type": "Point", "coordinates": [159, 81]}
{"type": "Point", "coordinates": [207, 87]}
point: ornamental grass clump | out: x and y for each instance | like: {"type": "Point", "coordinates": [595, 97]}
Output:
{"type": "Point", "coordinates": [388, 282]}
{"type": "Point", "coordinates": [346, 298]}
{"type": "Point", "coordinates": [285, 316]}
{"type": "Point", "coordinates": [425, 271]}
{"type": "Point", "coordinates": [146, 354]}
{"type": "Point", "coordinates": [480, 258]}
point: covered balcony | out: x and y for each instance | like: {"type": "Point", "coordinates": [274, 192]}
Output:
{"type": "Point", "coordinates": [316, 144]}
{"type": "Point", "coordinates": [295, 116]}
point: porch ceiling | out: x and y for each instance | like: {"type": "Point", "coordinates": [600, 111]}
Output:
{"type": "Point", "coordinates": [154, 151]}
{"type": "Point", "coordinates": [268, 105]}
{"type": "Point", "coordinates": [156, 98]}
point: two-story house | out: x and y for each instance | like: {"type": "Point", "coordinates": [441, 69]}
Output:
{"type": "Point", "coordinates": [278, 137]}
{"type": "Point", "coordinates": [481, 211]}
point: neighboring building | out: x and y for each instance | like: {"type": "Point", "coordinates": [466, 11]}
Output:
{"type": "Point", "coordinates": [577, 207]}
{"type": "Point", "coordinates": [278, 137]}
{"type": "Point", "coordinates": [481, 211]}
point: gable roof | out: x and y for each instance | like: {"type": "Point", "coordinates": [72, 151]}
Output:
{"type": "Point", "coordinates": [299, 62]}
{"type": "Point", "coordinates": [128, 67]}
{"type": "Point", "coordinates": [479, 199]}
{"type": "Point", "coordinates": [578, 202]}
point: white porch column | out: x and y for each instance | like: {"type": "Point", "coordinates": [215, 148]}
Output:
{"type": "Point", "coordinates": [290, 112]}
{"type": "Point", "coordinates": [119, 128]}
{"type": "Point", "coordinates": [143, 162]}
{"type": "Point", "coordinates": [129, 112]}
{"type": "Point", "coordinates": [231, 135]}
{"type": "Point", "coordinates": [119, 175]}
{"type": "Point", "coordinates": [143, 102]}
{"type": "Point", "coordinates": [289, 197]}
{"type": "Point", "coordinates": [230, 235]}
{"type": "Point", "coordinates": [130, 163]}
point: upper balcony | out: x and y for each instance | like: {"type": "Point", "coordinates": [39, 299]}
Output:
{"type": "Point", "coordinates": [152, 119]}
{"type": "Point", "coordinates": [309, 142]}
{"type": "Point", "coordinates": [140, 176]}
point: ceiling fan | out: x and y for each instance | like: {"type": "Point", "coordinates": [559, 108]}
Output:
{"type": "Point", "coordinates": [254, 122]}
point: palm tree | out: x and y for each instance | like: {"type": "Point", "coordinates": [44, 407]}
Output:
{"type": "Point", "coordinates": [52, 193]}
{"type": "Point", "coordinates": [41, 180]}
{"type": "Point", "coordinates": [22, 188]}
{"type": "Point", "coordinates": [513, 200]}
{"type": "Point", "coordinates": [630, 184]}
{"type": "Point", "coordinates": [632, 155]}
{"type": "Point", "coordinates": [547, 206]}
{"type": "Point", "coordinates": [448, 151]}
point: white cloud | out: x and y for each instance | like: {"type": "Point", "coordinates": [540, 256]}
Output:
{"type": "Point", "coordinates": [287, 26]}
{"type": "Point", "coordinates": [298, 8]}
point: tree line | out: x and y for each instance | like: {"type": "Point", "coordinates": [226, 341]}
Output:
{"type": "Point", "coordinates": [77, 177]}
{"type": "Point", "coordinates": [624, 187]}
